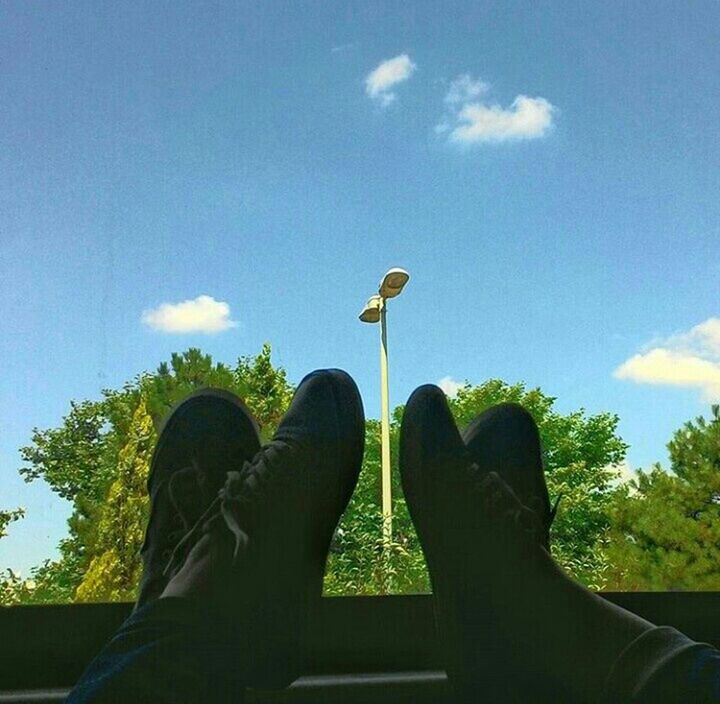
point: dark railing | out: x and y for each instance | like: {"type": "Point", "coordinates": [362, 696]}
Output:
{"type": "Point", "coordinates": [370, 649]}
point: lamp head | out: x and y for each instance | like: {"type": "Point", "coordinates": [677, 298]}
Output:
{"type": "Point", "coordinates": [371, 312]}
{"type": "Point", "coordinates": [393, 282]}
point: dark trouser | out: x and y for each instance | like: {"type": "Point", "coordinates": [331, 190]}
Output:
{"type": "Point", "coordinates": [171, 653]}
{"type": "Point", "coordinates": [168, 652]}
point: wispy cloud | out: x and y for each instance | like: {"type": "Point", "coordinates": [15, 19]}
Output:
{"type": "Point", "coordinates": [380, 81]}
{"type": "Point", "coordinates": [471, 120]}
{"type": "Point", "coordinates": [624, 475]}
{"type": "Point", "coordinates": [339, 48]}
{"type": "Point", "coordinates": [464, 89]}
{"type": "Point", "coordinates": [690, 360]}
{"type": "Point", "coordinates": [202, 314]}
{"type": "Point", "coordinates": [450, 386]}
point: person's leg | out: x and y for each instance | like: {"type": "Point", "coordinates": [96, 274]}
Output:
{"type": "Point", "coordinates": [497, 616]}
{"type": "Point", "coordinates": [599, 651]}
{"type": "Point", "coordinates": [280, 514]}
{"type": "Point", "coordinates": [168, 650]}
{"type": "Point", "coordinates": [505, 439]}
{"type": "Point", "coordinates": [208, 434]}
{"type": "Point", "coordinates": [236, 590]}
{"type": "Point", "coordinates": [444, 511]}
{"type": "Point", "coordinates": [494, 578]}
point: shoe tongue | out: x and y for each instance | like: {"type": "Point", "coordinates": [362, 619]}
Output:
{"type": "Point", "coordinates": [186, 495]}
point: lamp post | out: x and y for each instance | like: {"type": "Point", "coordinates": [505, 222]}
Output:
{"type": "Point", "coordinates": [376, 311]}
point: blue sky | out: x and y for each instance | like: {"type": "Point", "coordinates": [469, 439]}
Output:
{"type": "Point", "coordinates": [547, 172]}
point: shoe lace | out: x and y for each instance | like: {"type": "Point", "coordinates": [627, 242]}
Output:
{"type": "Point", "coordinates": [525, 518]}
{"type": "Point", "coordinates": [257, 477]}
{"type": "Point", "coordinates": [238, 501]}
{"type": "Point", "coordinates": [180, 488]}
{"type": "Point", "coordinates": [477, 476]}
{"type": "Point", "coordinates": [250, 488]}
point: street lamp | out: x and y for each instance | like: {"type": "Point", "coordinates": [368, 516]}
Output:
{"type": "Point", "coordinates": [375, 311]}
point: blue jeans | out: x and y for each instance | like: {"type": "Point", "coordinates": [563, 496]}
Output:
{"type": "Point", "coordinates": [173, 651]}
{"type": "Point", "coordinates": [170, 651]}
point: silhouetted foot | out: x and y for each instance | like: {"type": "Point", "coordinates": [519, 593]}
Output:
{"type": "Point", "coordinates": [504, 439]}
{"type": "Point", "coordinates": [478, 538]}
{"type": "Point", "coordinates": [205, 436]}
{"type": "Point", "coordinates": [259, 552]}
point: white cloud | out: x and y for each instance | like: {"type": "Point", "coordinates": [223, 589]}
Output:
{"type": "Point", "coordinates": [526, 118]}
{"type": "Point", "coordinates": [464, 89]}
{"type": "Point", "coordinates": [471, 121]}
{"type": "Point", "coordinates": [624, 474]}
{"type": "Point", "coordinates": [450, 386]}
{"type": "Point", "coordinates": [689, 360]}
{"type": "Point", "coordinates": [388, 74]}
{"type": "Point", "coordinates": [202, 314]}
{"type": "Point", "coordinates": [707, 334]}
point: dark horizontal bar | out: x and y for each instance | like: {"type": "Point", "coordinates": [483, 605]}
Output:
{"type": "Point", "coordinates": [45, 647]}
{"type": "Point", "coordinates": [34, 696]}
{"type": "Point", "coordinates": [396, 687]}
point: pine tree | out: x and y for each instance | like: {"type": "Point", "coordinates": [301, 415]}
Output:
{"type": "Point", "coordinates": [666, 525]}
{"type": "Point", "coordinates": [114, 571]}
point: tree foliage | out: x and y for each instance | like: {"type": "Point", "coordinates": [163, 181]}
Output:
{"type": "Point", "coordinates": [360, 561]}
{"type": "Point", "coordinates": [72, 458]}
{"type": "Point", "coordinates": [666, 525]}
{"type": "Point", "coordinates": [8, 517]}
{"type": "Point", "coordinates": [99, 456]}
{"type": "Point", "coordinates": [114, 571]}
{"type": "Point", "coordinates": [12, 587]}
{"type": "Point", "coordinates": [579, 454]}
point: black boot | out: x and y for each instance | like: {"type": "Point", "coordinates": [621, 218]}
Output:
{"type": "Point", "coordinates": [442, 473]}
{"type": "Point", "coordinates": [204, 437]}
{"type": "Point", "coordinates": [280, 511]}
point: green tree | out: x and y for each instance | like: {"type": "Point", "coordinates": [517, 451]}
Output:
{"type": "Point", "coordinates": [115, 569]}
{"type": "Point", "coordinates": [360, 562]}
{"type": "Point", "coordinates": [580, 452]}
{"type": "Point", "coordinates": [73, 458]}
{"type": "Point", "coordinates": [263, 386]}
{"type": "Point", "coordinates": [12, 587]}
{"type": "Point", "coordinates": [8, 517]}
{"type": "Point", "coordinates": [666, 525]}
{"type": "Point", "coordinates": [98, 458]}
